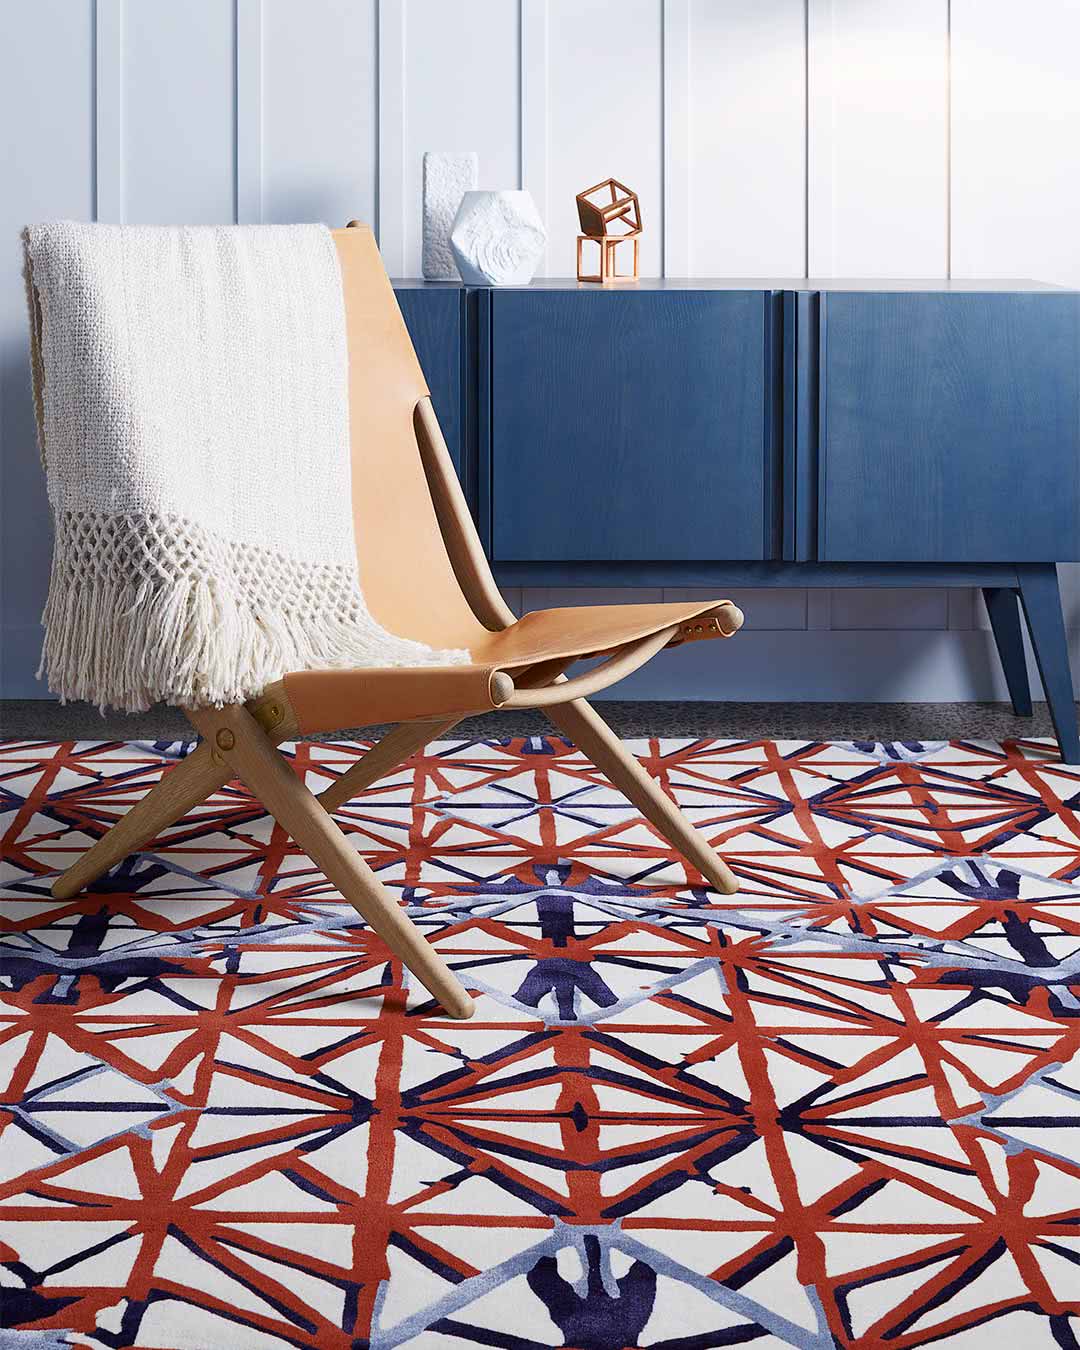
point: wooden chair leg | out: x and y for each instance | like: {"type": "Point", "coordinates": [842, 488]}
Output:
{"type": "Point", "coordinates": [181, 789]}
{"type": "Point", "coordinates": [395, 747]}
{"type": "Point", "coordinates": [251, 755]}
{"type": "Point", "coordinates": [591, 734]}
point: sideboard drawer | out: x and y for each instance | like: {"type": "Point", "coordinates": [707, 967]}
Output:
{"type": "Point", "coordinates": [631, 426]}
{"type": "Point", "coordinates": [949, 427]}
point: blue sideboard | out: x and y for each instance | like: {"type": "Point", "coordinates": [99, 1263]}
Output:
{"type": "Point", "coordinates": [773, 433]}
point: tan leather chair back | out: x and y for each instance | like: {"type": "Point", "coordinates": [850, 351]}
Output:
{"type": "Point", "coordinates": [406, 575]}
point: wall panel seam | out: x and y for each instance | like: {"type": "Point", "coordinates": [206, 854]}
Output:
{"type": "Point", "coordinates": [108, 111]}
{"type": "Point", "coordinates": [533, 113]}
{"type": "Point", "coordinates": [392, 225]}
{"type": "Point", "coordinates": [820, 112]}
{"type": "Point", "coordinates": [249, 96]}
{"type": "Point", "coordinates": [948, 138]}
{"type": "Point", "coordinates": [676, 136]}
{"type": "Point", "coordinates": [806, 138]}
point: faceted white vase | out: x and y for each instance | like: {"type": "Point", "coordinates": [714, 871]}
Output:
{"type": "Point", "coordinates": [497, 238]}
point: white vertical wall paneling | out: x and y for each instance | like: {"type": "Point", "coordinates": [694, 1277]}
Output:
{"type": "Point", "coordinates": [47, 110]}
{"type": "Point", "coordinates": [179, 112]}
{"type": "Point", "coordinates": [884, 607]}
{"type": "Point", "coordinates": [390, 197]}
{"type": "Point", "coordinates": [109, 110]}
{"type": "Point", "coordinates": [713, 110]}
{"type": "Point", "coordinates": [1070, 594]}
{"type": "Point", "coordinates": [677, 146]}
{"type": "Point", "coordinates": [961, 608]}
{"type": "Point", "coordinates": [868, 608]}
{"type": "Point", "coordinates": [534, 108]}
{"type": "Point", "coordinates": [821, 136]}
{"type": "Point", "coordinates": [463, 80]}
{"type": "Point", "coordinates": [249, 103]}
{"type": "Point", "coordinates": [320, 111]}
{"type": "Point", "coordinates": [878, 138]}
{"type": "Point", "coordinates": [1015, 147]}
{"type": "Point", "coordinates": [746, 173]}
{"type": "Point", "coordinates": [819, 609]}
{"type": "Point", "coordinates": [604, 116]}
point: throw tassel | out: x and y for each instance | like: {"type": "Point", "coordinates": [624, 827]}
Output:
{"type": "Point", "coordinates": [190, 639]}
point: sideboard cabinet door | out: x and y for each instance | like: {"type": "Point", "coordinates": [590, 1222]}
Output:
{"type": "Point", "coordinates": [434, 317]}
{"type": "Point", "coordinates": [949, 427]}
{"type": "Point", "coordinates": [632, 425]}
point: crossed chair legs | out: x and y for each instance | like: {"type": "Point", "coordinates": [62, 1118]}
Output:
{"type": "Point", "coordinates": [241, 742]}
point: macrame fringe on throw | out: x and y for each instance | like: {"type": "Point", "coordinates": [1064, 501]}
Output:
{"type": "Point", "coordinates": [127, 629]}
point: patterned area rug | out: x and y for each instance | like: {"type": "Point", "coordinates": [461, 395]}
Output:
{"type": "Point", "coordinates": [840, 1109]}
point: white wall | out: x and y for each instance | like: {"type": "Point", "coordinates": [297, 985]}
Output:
{"type": "Point", "coordinates": [860, 137]}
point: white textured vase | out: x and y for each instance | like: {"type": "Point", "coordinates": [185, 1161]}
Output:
{"type": "Point", "coordinates": [447, 177]}
{"type": "Point", "coordinates": [497, 238]}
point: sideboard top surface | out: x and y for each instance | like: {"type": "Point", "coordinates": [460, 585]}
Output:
{"type": "Point", "coordinates": [880, 284]}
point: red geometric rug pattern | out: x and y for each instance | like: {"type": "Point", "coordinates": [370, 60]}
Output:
{"type": "Point", "coordinates": [840, 1109]}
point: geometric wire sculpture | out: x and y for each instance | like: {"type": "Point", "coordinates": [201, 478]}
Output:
{"type": "Point", "coordinates": [609, 214]}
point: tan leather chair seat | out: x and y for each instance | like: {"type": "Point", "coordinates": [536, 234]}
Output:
{"type": "Point", "coordinates": [327, 700]}
{"type": "Point", "coordinates": [549, 634]}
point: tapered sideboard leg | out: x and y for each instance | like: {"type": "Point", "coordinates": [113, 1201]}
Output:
{"type": "Point", "coordinates": [1002, 604]}
{"type": "Point", "coordinates": [1042, 605]}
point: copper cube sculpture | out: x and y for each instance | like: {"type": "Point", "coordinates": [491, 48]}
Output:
{"type": "Point", "coordinates": [607, 244]}
{"type": "Point", "coordinates": [604, 217]}
{"type": "Point", "coordinates": [609, 214]}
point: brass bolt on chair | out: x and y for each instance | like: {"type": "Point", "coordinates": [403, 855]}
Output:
{"type": "Point", "coordinates": [438, 589]}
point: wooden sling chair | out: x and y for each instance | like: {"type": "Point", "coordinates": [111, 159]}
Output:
{"type": "Point", "coordinates": [425, 577]}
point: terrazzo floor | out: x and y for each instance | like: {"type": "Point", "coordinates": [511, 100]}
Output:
{"type": "Point", "coordinates": [43, 719]}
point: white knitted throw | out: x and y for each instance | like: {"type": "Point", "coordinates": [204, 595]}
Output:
{"type": "Point", "coordinates": [192, 395]}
